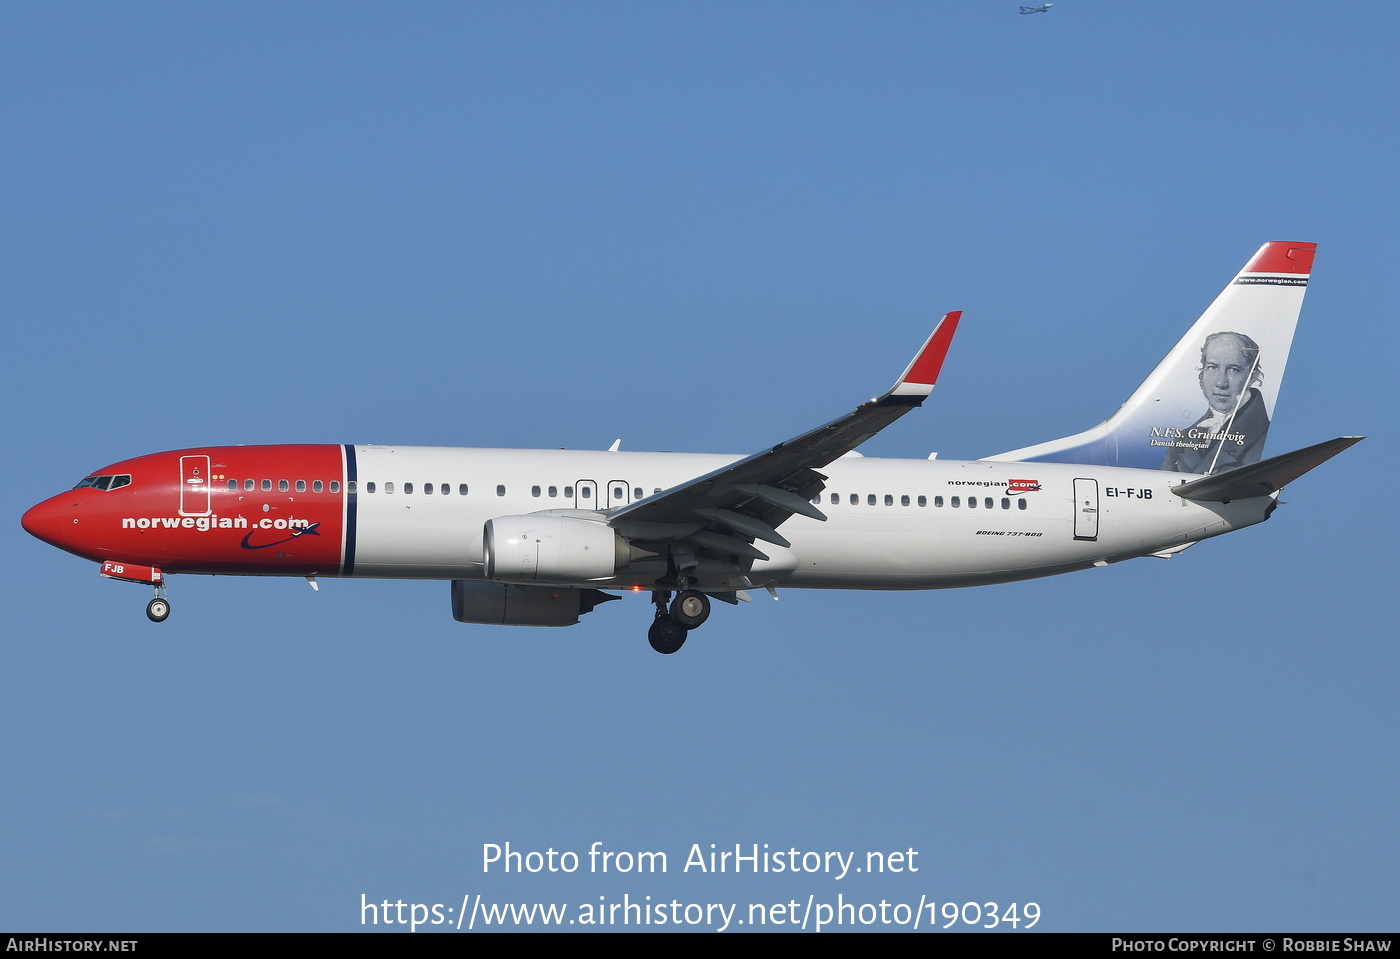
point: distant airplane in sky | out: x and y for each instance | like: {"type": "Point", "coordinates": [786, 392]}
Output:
{"type": "Point", "coordinates": [534, 537]}
{"type": "Point", "coordinates": [1043, 8]}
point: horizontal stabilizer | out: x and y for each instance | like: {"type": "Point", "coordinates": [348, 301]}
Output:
{"type": "Point", "coordinates": [1266, 476]}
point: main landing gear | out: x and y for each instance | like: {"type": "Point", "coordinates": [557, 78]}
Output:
{"type": "Point", "coordinates": [673, 622]}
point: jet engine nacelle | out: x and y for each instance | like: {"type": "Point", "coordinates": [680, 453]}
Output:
{"type": "Point", "coordinates": [502, 604]}
{"type": "Point", "coordinates": [550, 548]}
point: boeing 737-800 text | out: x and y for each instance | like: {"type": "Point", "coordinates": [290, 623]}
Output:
{"type": "Point", "coordinates": [535, 537]}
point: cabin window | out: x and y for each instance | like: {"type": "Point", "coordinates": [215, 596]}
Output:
{"type": "Point", "coordinates": [369, 487]}
{"type": "Point", "coordinates": [988, 502]}
{"type": "Point", "coordinates": [233, 484]}
{"type": "Point", "coordinates": [955, 503]}
{"type": "Point", "coordinates": [427, 489]}
{"type": "Point", "coordinates": [568, 492]}
{"type": "Point", "coordinates": [972, 502]}
{"type": "Point", "coordinates": [445, 489]}
{"type": "Point", "coordinates": [1020, 504]}
{"type": "Point", "coordinates": [1005, 503]}
{"type": "Point", "coordinates": [534, 491]}
{"type": "Point", "coordinates": [870, 499]}
{"type": "Point", "coordinates": [248, 485]}
{"type": "Point", "coordinates": [388, 488]}
{"type": "Point", "coordinates": [461, 489]}
{"type": "Point", "coordinates": [835, 498]}
{"type": "Point", "coordinates": [923, 501]}
{"type": "Point", "coordinates": [889, 500]}
{"type": "Point", "coordinates": [657, 490]}
{"type": "Point", "coordinates": [500, 490]}
{"type": "Point", "coordinates": [301, 486]}
{"type": "Point", "coordinates": [904, 500]}
{"type": "Point", "coordinates": [282, 486]}
{"type": "Point", "coordinates": [316, 486]}
{"type": "Point", "coordinates": [855, 499]}
{"type": "Point", "coordinates": [267, 486]}
{"type": "Point", "coordinates": [335, 486]}
{"type": "Point", "coordinates": [553, 491]}
{"type": "Point", "coordinates": [586, 492]}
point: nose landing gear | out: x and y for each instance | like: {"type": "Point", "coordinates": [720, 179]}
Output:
{"type": "Point", "coordinates": [158, 609]}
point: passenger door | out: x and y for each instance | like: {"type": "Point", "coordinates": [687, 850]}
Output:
{"type": "Point", "coordinates": [1086, 509]}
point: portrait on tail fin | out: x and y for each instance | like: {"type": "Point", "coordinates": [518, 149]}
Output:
{"type": "Point", "coordinates": [1233, 430]}
{"type": "Point", "coordinates": [1208, 405]}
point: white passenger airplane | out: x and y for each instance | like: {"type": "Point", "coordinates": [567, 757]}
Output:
{"type": "Point", "coordinates": [533, 537]}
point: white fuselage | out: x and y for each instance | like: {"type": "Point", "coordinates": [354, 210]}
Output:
{"type": "Point", "coordinates": [892, 523]}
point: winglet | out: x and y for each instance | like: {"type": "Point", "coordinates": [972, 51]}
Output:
{"type": "Point", "coordinates": [920, 375]}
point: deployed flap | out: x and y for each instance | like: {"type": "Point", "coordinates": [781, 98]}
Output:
{"type": "Point", "coordinates": [753, 496]}
{"type": "Point", "coordinates": [1266, 476]}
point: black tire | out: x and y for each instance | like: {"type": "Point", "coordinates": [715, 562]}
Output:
{"type": "Point", "coordinates": [691, 608]}
{"type": "Point", "coordinates": [158, 610]}
{"type": "Point", "coordinates": [666, 635]}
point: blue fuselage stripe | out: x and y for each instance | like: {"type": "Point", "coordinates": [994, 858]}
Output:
{"type": "Point", "coordinates": [347, 566]}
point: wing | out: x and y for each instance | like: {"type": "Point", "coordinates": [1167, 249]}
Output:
{"type": "Point", "coordinates": [726, 510]}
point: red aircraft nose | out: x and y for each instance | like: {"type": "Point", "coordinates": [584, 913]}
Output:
{"type": "Point", "coordinates": [57, 521]}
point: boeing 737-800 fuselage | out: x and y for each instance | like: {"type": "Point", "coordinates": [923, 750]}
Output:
{"type": "Point", "coordinates": [533, 537]}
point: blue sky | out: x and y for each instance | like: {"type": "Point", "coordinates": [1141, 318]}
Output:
{"type": "Point", "coordinates": [708, 227]}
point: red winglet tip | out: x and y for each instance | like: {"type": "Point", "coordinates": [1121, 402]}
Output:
{"type": "Point", "coordinates": [927, 365]}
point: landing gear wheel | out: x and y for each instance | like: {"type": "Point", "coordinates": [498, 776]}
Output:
{"type": "Point", "coordinates": [666, 635]}
{"type": "Point", "coordinates": [691, 608]}
{"type": "Point", "coordinates": [157, 610]}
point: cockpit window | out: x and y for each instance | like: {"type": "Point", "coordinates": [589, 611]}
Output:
{"type": "Point", "coordinates": [105, 482]}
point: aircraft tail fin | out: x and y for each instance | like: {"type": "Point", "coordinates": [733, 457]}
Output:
{"type": "Point", "coordinates": [1207, 406]}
